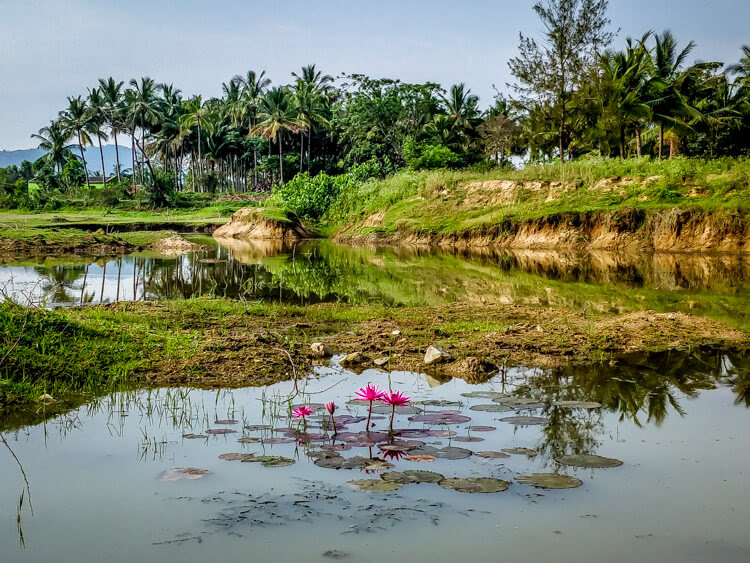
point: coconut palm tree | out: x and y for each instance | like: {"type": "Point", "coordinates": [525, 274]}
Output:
{"type": "Point", "coordinates": [54, 140]}
{"type": "Point", "coordinates": [142, 113]}
{"type": "Point", "coordinates": [77, 118]}
{"type": "Point", "coordinates": [98, 121]}
{"type": "Point", "coordinates": [462, 106]}
{"type": "Point", "coordinates": [277, 113]}
{"type": "Point", "coordinates": [254, 85]}
{"type": "Point", "coordinates": [111, 92]}
{"type": "Point", "coordinates": [311, 111]}
{"type": "Point", "coordinates": [196, 114]}
{"type": "Point", "coordinates": [742, 68]}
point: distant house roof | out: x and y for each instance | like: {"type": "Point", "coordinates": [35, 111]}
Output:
{"type": "Point", "coordinates": [100, 179]}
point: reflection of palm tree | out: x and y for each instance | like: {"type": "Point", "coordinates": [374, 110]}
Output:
{"type": "Point", "coordinates": [58, 282]}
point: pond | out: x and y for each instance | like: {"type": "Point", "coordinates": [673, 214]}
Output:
{"type": "Point", "coordinates": [144, 476]}
{"type": "Point", "coordinates": [716, 286]}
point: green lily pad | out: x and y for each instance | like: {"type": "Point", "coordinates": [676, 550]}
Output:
{"type": "Point", "coordinates": [550, 481]}
{"type": "Point", "coordinates": [589, 461]}
{"type": "Point", "coordinates": [484, 395]}
{"type": "Point", "coordinates": [439, 403]}
{"type": "Point", "coordinates": [385, 409]}
{"type": "Point", "coordinates": [490, 408]}
{"type": "Point", "coordinates": [412, 476]}
{"type": "Point", "coordinates": [520, 451]}
{"type": "Point", "coordinates": [525, 420]}
{"type": "Point", "coordinates": [493, 455]}
{"type": "Point", "coordinates": [376, 485]}
{"type": "Point", "coordinates": [270, 460]}
{"type": "Point", "coordinates": [475, 484]}
{"type": "Point", "coordinates": [577, 404]}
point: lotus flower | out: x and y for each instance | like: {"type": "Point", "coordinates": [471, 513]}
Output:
{"type": "Point", "coordinates": [302, 412]}
{"type": "Point", "coordinates": [395, 399]}
{"type": "Point", "coordinates": [330, 407]}
{"type": "Point", "coordinates": [370, 393]}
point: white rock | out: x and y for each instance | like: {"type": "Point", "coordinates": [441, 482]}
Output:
{"type": "Point", "coordinates": [380, 361]}
{"type": "Point", "coordinates": [320, 350]}
{"type": "Point", "coordinates": [435, 355]}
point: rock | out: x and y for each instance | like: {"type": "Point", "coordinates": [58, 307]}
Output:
{"type": "Point", "coordinates": [47, 399]}
{"type": "Point", "coordinates": [435, 355]}
{"type": "Point", "coordinates": [396, 332]}
{"type": "Point", "coordinates": [320, 350]}
{"type": "Point", "coordinates": [380, 361]}
{"type": "Point", "coordinates": [354, 359]}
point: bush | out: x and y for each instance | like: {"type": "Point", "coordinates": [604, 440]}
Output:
{"type": "Point", "coordinates": [421, 156]}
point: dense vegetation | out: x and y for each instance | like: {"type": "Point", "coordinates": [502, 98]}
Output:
{"type": "Point", "coordinates": [575, 94]}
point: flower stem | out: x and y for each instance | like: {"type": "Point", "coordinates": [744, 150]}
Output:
{"type": "Point", "coordinates": [369, 414]}
{"type": "Point", "coordinates": [393, 412]}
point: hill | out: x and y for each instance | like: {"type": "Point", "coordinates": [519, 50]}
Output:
{"type": "Point", "coordinates": [9, 158]}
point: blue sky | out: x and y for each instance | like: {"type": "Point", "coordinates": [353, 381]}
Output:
{"type": "Point", "coordinates": [50, 49]}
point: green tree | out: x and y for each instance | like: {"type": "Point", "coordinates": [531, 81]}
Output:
{"type": "Point", "coordinates": [113, 112]}
{"type": "Point", "coordinates": [54, 140]}
{"type": "Point", "coordinates": [77, 118]}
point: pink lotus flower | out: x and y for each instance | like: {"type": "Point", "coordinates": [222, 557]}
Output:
{"type": "Point", "coordinates": [302, 412]}
{"type": "Point", "coordinates": [330, 407]}
{"type": "Point", "coordinates": [395, 399]}
{"type": "Point", "coordinates": [369, 393]}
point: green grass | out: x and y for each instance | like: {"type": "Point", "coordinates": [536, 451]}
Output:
{"type": "Point", "coordinates": [438, 202]}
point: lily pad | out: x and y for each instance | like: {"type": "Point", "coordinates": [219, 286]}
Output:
{"type": "Point", "coordinates": [385, 409]}
{"type": "Point", "coordinates": [520, 451]}
{"type": "Point", "coordinates": [421, 458]}
{"type": "Point", "coordinates": [182, 473]}
{"type": "Point", "coordinates": [452, 452]}
{"type": "Point", "coordinates": [589, 461]}
{"type": "Point", "coordinates": [447, 418]}
{"type": "Point", "coordinates": [278, 441]}
{"type": "Point", "coordinates": [577, 404]}
{"type": "Point", "coordinates": [270, 460]}
{"type": "Point", "coordinates": [256, 427]}
{"type": "Point", "coordinates": [218, 431]}
{"type": "Point", "coordinates": [440, 403]}
{"type": "Point", "coordinates": [248, 440]}
{"type": "Point", "coordinates": [330, 461]}
{"type": "Point", "coordinates": [493, 455]}
{"type": "Point", "coordinates": [482, 428]}
{"type": "Point", "coordinates": [376, 485]}
{"type": "Point", "coordinates": [484, 395]}
{"type": "Point", "coordinates": [336, 447]}
{"type": "Point", "coordinates": [468, 439]}
{"type": "Point", "coordinates": [227, 422]}
{"type": "Point", "coordinates": [402, 446]}
{"type": "Point", "coordinates": [490, 408]}
{"type": "Point", "coordinates": [475, 484]}
{"type": "Point", "coordinates": [550, 481]}
{"type": "Point", "coordinates": [525, 420]}
{"type": "Point", "coordinates": [375, 464]}
{"type": "Point", "coordinates": [195, 436]}
{"type": "Point", "coordinates": [235, 456]}
{"type": "Point", "coordinates": [412, 476]}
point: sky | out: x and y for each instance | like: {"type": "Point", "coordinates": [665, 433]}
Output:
{"type": "Point", "coordinates": [51, 49]}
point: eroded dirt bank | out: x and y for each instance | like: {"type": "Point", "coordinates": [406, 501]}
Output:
{"type": "Point", "coordinates": [670, 230]}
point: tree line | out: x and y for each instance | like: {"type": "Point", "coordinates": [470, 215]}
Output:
{"type": "Point", "coordinates": [573, 94]}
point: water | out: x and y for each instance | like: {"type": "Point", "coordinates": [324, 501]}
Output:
{"type": "Point", "coordinates": [676, 421]}
{"type": "Point", "coordinates": [716, 286]}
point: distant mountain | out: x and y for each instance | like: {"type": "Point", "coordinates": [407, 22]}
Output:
{"type": "Point", "coordinates": [93, 160]}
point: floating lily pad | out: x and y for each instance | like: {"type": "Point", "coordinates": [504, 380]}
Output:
{"type": "Point", "coordinates": [330, 461]}
{"type": "Point", "coordinates": [235, 456]}
{"type": "Point", "coordinates": [412, 476]}
{"type": "Point", "coordinates": [475, 484]}
{"type": "Point", "coordinates": [550, 481]}
{"type": "Point", "coordinates": [248, 440]}
{"type": "Point", "coordinates": [270, 460]}
{"type": "Point", "coordinates": [385, 409]}
{"type": "Point", "coordinates": [278, 441]}
{"type": "Point", "coordinates": [447, 418]}
{"type": "Point", "coordinates": [402, 446]}
{"type": "Point", "coordinates": [421, 458]}
{"type": "Point", "coordinates": [441, 433]}
{"type": "Point", "coordinates": [256, 427]}
{"type": "Point", "coordinates": [218, 431]}
{"type": "Point", "coordinates": [313, 406]}
{"type": "Point", "coordinates": [227, 422]}
{"type": "Point", "coordinates": [577, 404]}
{"type": "Point", "coordinates": [482, 428]}
{"type": "Point", "coordinates": [589, 461]}
{"type": "Point", "coordinates": [525, 420]}
{"type": "Point", "coordinates": [529, 406]}
{"type": "Point", "coordinates": [493, 455]}
{"type": "Point", "coordinates": [336, 447]}
{"type": "Point", "coordinates": [182, 473]}
{"type": "Point", "coordinates": [520, 451]}
{"type": "Point", "coordinates": [439, 403]}
{"type": "Point", "coordinates": [376, 485]}
{"type": "Point", "coordinates": [490, 408]}
{"type": "Point", "coordinates": [194, 436]}
{"type": "Point", "coordinates": [322, 453]}
{"type": "Point", "coordinates": [484, 395]}
{"type": "Point", "coordinates": [375, 464]}
{"type": "Point", "coordinates": [452, 452]}
{"type": "Point", "coordinates": [468, 439]}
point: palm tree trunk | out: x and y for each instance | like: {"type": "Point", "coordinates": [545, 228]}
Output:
{"type": "Point", "coordinates": [101, 154]}
{"type": "Point", "coordinates": [83, 158]}
{"type": "Point", "coordinates": [661, 140]}
{"type": "Point", "coordinates": [674, 147]}
{"type": "Point", "coordinates": [132, 148]}
{"type": "Point", "coordinates": [117, 153]}
{"type": "Point", "coordinates": [638, 139]}
{"type": "Point", "coordinates": [301, 149]}
{"type": "Point", "coordinates": [199, 147]}
{"type": "Point", "coordinates": [281, 161]}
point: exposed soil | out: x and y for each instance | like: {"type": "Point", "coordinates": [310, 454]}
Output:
{"type": "Point", "coordinates": [251, 349]}
{"type": "Point", "coordinates": [251, 223]}
{"type": "Point", "coordinates": [12, 250]}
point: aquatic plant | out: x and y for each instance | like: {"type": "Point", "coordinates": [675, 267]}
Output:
{"type": "Point", "coordinates": [331, 407]}
{"type": "Point", "coordinates": [303, 412]}
{"type": "Point", "coordinates": [369, 393]}
{"type": "Point", "coordinates": [394, 399]}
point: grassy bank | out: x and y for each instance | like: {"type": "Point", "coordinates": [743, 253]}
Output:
{"type": "Point", "coordinates": [224, 343]}
{"type": "Point", "coordinates": [450, 202]}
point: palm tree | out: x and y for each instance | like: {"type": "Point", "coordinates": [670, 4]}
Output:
{"type": "Point", "coordinates": [668, 106]}
{"type": "Point", "coordinates": [54, 139]}
{"type": "Point", "coordinates": [742, 68]}
{"type": "Point", "coordinates": [142, 113]}
{"type": "Point", "coordinates": [462, 106]}
{"type": "Point", "coordinates": [111, 92]}
{"type": "Point", "coordinates": [311, 111]}
{"type": "Point", "coordinates": [254, 86]}
{"type": "Point", "coordinates": [77, 118]}
{"type": "Point", "coordinates": [277, 113]}
{"type": "Point", "coordinates": [98, 120]}
{"type": "Point", "coordinates": [196, 114]}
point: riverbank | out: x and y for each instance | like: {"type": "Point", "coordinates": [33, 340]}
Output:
{"type": "Point", "coordinates": [681, 205]}
{"type": "Point", "coordinates": [213, 343]}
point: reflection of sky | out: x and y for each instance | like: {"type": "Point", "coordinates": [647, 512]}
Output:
{"type": "Point", "coordinates": [96, 495]}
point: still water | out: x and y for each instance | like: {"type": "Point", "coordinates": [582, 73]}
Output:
{"type": "Point", "coordinates": [716, 286]}
{"type": "Point", "coordinates": [103, 485]}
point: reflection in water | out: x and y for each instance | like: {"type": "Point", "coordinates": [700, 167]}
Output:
{"type": "Point", "coordinates": [717, 286]}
